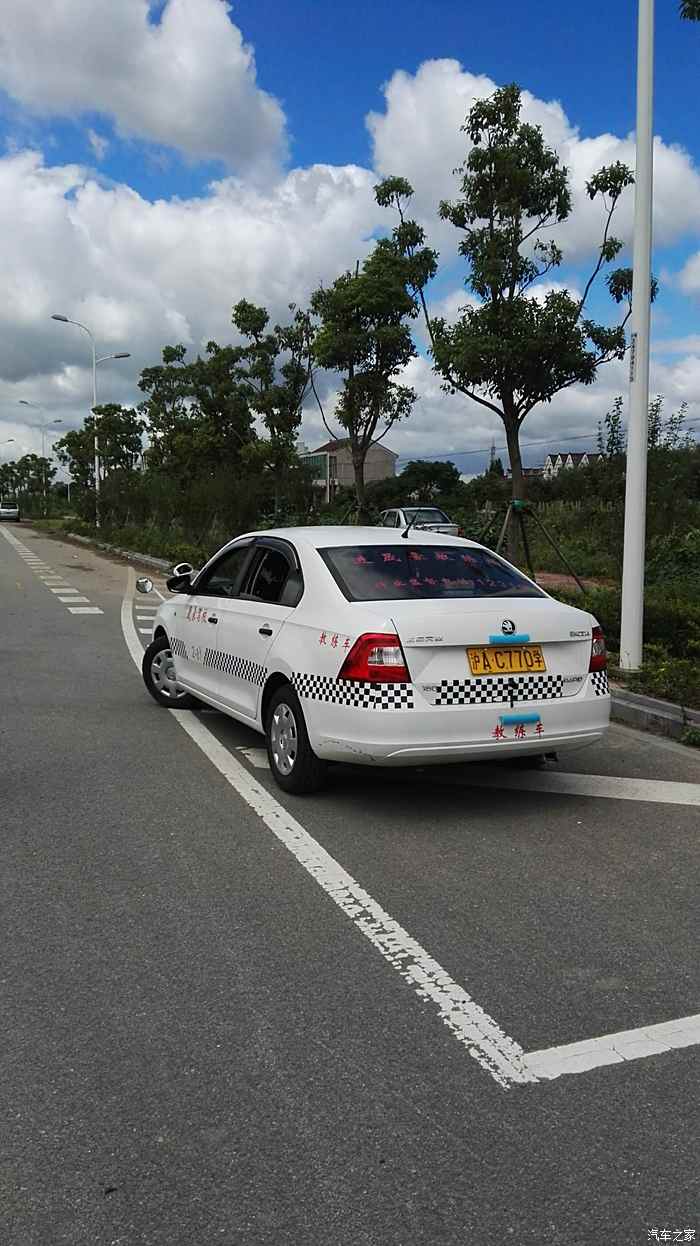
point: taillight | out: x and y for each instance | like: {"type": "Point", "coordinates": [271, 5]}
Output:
{"type": "Point", "coordinates": [599, 653]}
{"type": "Point", "coordinates": [377, 657]}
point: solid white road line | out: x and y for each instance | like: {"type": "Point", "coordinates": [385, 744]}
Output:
{"type": "Point", "coordinates": [257, 757]}
{"type": "Point", "coordinates": [501, 1056]}
{"type": "Point", "coordinates": [470, 1025]}
{"type": "Point", "coordinates": [654, 791]}
{"type": "Point", "coordinates": [85, 610]}
{"type": "Point", "coordinates": [592, 1053]}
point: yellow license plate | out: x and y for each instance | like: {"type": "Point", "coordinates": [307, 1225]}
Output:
{"type": "Point", "coordinates": [505, 659]}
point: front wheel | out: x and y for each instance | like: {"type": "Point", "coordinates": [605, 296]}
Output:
{"type": "Point", "coordinates": [293, 763]}
{"type": "Point", "coordinates": [158, 670]}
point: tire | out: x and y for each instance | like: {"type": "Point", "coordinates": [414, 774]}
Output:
{"type": "Point", "coordinates": [158, 670]}
{"type": "Point", "coordinates": [294, 765]}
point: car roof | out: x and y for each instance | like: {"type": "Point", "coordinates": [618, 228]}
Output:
{"type": "Point", "coordinates": [346, 534]}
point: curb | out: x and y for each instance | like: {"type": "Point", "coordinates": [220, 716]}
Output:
{"type": "Point", "coordinates": [160, 564]}
{"type": "Point", "coordinates": [650, 714]}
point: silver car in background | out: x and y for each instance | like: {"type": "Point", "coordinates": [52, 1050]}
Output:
{"type": "Point", "coordinates": [427, 518]}
{"type": "Point", "coordinates": [9, 509]}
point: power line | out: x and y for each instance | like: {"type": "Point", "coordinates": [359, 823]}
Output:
{"type": "Point", "coordinates": [544, 441]}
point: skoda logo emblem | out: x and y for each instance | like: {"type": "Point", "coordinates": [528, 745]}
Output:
{"type": "Point", "coordinates": [508, 627]}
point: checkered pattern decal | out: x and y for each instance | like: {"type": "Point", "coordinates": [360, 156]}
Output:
{"type": "Point", "coordinates": [498, 689]}
{"type": "Point", "coordinates": [178, 648]}
{"type": "Point", "coordinates": [599, 683]}
{"type": "Point", "coordinates": [359, 695]}
{"type": "Point", "coordinates": [240, 668]}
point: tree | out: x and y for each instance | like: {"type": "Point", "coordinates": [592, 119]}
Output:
{"type": "Point", "coordinates": [274, 369]}
{"type": "Point", "coordinates": [198, 418]}
{"type": "Point", "coordinates": [613, 441]}
{"type": "Point", "coordinates": [510, 350]}
{"type": "Point", "coordinates": [422, 481]}
{"type": "Point", "coordinates": [364, 335]}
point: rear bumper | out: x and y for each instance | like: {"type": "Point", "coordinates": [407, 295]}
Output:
{"type": "Point", "coordinates": [453, 733]}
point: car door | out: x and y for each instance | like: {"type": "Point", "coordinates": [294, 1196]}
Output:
{"type": "Point", "coordinates": [195, 640]}
{"type": "Point", "coordinates": [249, 626]}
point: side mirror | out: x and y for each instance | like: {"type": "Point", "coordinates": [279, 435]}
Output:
{"type": "Point", "coordinates": [144, 585]}
{"type": "Point", "coordinates": [183, 568]}
{"type": "Point", "coordinates": [179, 583]}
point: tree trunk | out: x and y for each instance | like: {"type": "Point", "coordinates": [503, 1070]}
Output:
{"type": "Point", "coordinates": [358, 464]}
{"type": "Point", "coordinates": [517, 485]}
{"type": "Point", "coordinates": [516, 463]}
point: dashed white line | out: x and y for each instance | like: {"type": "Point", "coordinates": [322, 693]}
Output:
{"type": "Point", "coordinates": [85, 610]}
{"type": "Point", "coordinates": [146, 631]}
{"type": "Point", "coordinates": [74, 600]}
{"type": "Point", "coordinates": [62, 588]}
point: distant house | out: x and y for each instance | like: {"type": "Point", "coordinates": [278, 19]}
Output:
{"type": "Point", "coordinates": [333, 470]}
{"type": "Point", "coordinates": [530, 473]}
{"type": "Point", "coordinates": [565, 460]}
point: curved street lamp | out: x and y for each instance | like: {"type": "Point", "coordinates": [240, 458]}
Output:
{"type": "Point", "coordinates": [123, 354]}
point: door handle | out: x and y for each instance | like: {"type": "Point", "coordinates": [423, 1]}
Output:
{"type": "Point", "coordinates": [212, 619]}
{"type": "Point", "coordinates": [266, 630]}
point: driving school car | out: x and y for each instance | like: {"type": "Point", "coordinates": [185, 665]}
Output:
{"type": "Point", "coordinates": [369, 646]}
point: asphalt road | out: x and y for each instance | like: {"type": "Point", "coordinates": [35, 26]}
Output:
{"type": "Point", "coordinates": [200, 1046]}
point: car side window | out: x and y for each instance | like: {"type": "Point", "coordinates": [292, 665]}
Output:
{"type": "Point", "coordinates": [389, 519]}
{"type": "Point", "coordinates": [268, 576]}
{"type": "Point", "coordinates": [397, 519]}
{"type": "Point", "coordinates": [224, 578]}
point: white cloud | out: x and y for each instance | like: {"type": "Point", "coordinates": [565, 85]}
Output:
{"type": "Point", "coordinates": [143, 274]}
{"type": "Point", "coordinates": [689, 276]}
{"type": "Point", "coordinates": [188, 81]}
{"type": "Point", "coordinates": [98, 143]}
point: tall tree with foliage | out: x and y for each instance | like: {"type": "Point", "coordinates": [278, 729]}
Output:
{"type": "Point", "coordinates": [274, 369]}
{"type": "Point", "coordinates": [512, 351]}
{"type": "Point", "coordinates": [364, 335]}
{"type": "Point", "coordinates": [199, 420]}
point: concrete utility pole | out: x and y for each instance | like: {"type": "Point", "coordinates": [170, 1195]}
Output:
{"type": "Point", "coordinates": [631, 634]}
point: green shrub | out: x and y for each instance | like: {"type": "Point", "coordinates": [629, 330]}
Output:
{"type": "Point", "coordinates": [671, 621]}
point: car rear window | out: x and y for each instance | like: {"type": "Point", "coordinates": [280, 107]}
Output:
{"type": "Point", "coordinates": [419, 572]}
{"type": "Point", "coordinates": [425, 514]}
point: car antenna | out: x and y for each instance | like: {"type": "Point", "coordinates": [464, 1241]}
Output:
{"type": "Point", "coordinates": [411, 523]}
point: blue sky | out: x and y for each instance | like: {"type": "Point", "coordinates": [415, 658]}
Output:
{"type": "Point", "coordinates": [114, 139]}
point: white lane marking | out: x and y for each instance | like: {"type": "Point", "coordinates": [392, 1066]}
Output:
{"type": "Point", "coordinates": [85, 610]}
{"type": "Point", "coordinates": [470, 1025]}
{"type": "Point", "coordinates": [257, 757]}
{"type": "Point", "coordinates": [63, 588]}
{"type": "Point", "coordinates": [593, 1053]}
{"type": "Point", "coordinates": [146, 631]}
{"type": "Point", "coordinates": [654, 791]}
{"type": "Point", "coordinates": [501, 1056]}
{"type": "Point", "coordinates": [74, 600]}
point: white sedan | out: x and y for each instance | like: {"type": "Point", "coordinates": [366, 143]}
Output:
{"type": "Point", "coordinates": [365, 646]}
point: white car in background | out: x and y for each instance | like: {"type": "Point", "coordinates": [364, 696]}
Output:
{"type": "Point", "coordinates": [359, 645]}
{"type": "Point", "coordinates": [9, 509]}
{"type": "Point", "coordinates": [425, 518]}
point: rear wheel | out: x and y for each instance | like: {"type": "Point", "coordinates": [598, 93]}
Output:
{"type": "Point", "coordinates": [293, 763]}
{"type": "Point", "coordinates": [158, 670]}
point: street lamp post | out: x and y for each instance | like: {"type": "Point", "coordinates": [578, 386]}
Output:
{"type": "Point", "coordinates": [632, 627]}
{"type": "Point", "coordinates": [95, 361]}
{"type": "Point", "coordinates": [24, 402]}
